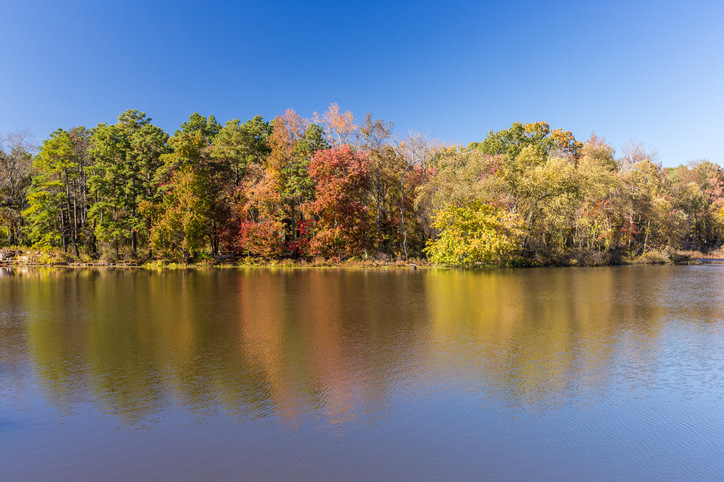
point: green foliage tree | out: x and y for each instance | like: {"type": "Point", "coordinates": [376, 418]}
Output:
{"type": "Point", "coordinates": [52, 206]}
{"type": "Point", "coordinates": [184, 220]}
{"type": "Point", "coordinates": [127, 156]}
{"type": "Point", "coordinates": [208, 126]}
{"type": "Point", "coordinates": [238, 145]}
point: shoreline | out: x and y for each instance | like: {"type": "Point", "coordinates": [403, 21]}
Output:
{"type": "Point", "coordinates": [37, 258]}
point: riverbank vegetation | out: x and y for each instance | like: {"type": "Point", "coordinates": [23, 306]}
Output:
{"type": "Point", "coordinates": [334, 190]}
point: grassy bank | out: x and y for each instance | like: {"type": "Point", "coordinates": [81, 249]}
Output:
{"type": "Point", "coordinates": [36, 257]}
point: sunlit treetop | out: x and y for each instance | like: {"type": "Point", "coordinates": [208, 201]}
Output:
{"type": "Point", "coordinates": [538, 135]}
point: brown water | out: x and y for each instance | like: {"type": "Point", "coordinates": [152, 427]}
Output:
{"type": "Point", "coordinates": [565, 374]}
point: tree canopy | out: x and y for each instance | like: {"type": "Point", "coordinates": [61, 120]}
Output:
{"type": "Point", "coordinates": [339, 188]}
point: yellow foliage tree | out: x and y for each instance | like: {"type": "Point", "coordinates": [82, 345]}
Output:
{"type": "Point", "coordinates": [474, 234]}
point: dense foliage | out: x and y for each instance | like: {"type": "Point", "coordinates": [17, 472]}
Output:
{"type": "Point", "coordinates": [334, 188]}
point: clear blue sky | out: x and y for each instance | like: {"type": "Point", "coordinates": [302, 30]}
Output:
{"type": "Point", "coordinates": [653, 70]}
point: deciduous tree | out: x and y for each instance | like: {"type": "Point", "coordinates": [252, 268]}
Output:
{"type": "Point", "coordinates": [339, 210]}
{"type": "Point", "coordinates": [293, 142]}
{"type": "Point", "coordinates": [472, 234]}
{"type": "Point", "coordinates": [15, 170]}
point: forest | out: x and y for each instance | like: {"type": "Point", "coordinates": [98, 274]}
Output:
{"type": "Point", "coordinates": [339, 189]}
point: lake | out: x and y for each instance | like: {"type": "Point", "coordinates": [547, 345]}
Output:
{"type": "Point", "coordinates": [521, 374]}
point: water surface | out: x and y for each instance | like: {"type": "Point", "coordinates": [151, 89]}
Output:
{"type": "Point", "coordinates": [600, 373]}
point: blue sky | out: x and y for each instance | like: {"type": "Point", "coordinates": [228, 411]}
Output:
{"type": "Point", "coordinates": [652, 71]}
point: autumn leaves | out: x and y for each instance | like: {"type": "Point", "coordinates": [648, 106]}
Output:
{"type": "Point", "coordinates": [339, 189]}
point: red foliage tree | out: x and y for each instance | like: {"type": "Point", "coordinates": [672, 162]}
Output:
{"type": "Point", "coordinates": [263, 239]}
{"type": "Point", "coordinates": [343, 222]}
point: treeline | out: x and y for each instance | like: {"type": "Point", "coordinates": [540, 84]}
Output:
{"type": "Point", "coordinates": [339, 189]}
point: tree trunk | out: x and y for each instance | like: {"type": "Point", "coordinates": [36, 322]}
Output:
{"type": "Point", "coordinates": [402, 212]}
{"type": "Point", "coordinates": [294, 223]}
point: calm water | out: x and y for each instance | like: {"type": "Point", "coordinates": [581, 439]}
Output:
{"type": "Point", "coordinates": [602, 373]}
